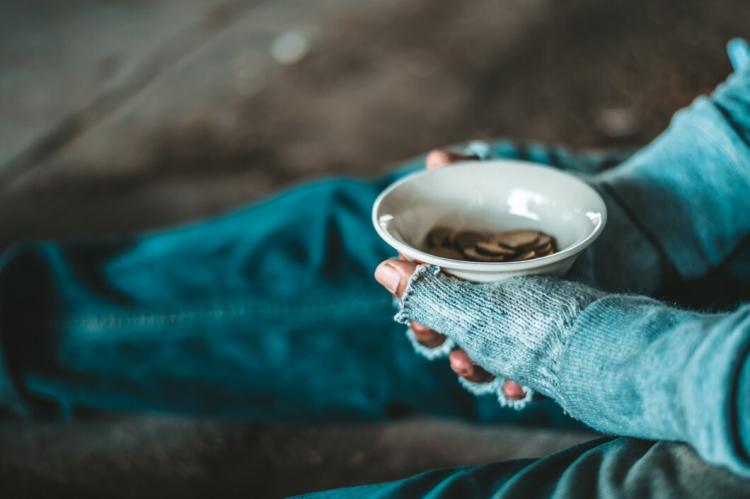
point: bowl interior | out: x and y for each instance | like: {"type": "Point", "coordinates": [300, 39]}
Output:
{"type": "Point", "coordinates": [492, 195]}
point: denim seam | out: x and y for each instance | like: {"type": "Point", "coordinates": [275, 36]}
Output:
{"type": "Point", "coordinates": [141, 319]}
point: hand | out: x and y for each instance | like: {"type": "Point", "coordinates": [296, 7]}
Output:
{"type": "Point", "coordinates": [393, 274]}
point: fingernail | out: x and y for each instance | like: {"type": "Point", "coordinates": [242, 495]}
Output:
{"type": "Point", "coordinates": [387, 275]}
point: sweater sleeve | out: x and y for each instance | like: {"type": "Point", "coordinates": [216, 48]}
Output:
{"type": "Point", "coordinates": [623, 364]}
{"type": "Point", "coordinates": [633, 366]}
{"type": "Point", "coordinates": [689, 189]}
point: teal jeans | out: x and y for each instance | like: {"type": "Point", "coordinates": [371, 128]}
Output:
{"type": "Point", "coordinates": [270, 313]}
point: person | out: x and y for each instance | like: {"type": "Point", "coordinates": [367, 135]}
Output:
{"type": "Point", "coordinates": [271, 313]}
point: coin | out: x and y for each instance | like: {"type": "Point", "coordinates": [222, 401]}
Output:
{"type": "Point", "coordinates": [439, 237]}
{"type": "Point", "coordinates": [542, 240]}
{"type": "Point", "coordinates": [526, 255]}
{"type": "Point", "coordinates": [518, 238]}
{"type": "Point", "coordinates": [487, 246]}
{"type": "Point", "coordinates": [493, 248]}
{"type": "Point", "coordinates": [473, 254]}
{"type": "Point", "coordinates": [467, 239]}
{"type": "Point", "coordinates": [547, 249]}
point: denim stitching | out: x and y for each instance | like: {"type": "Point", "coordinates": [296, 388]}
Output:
{"type": "Point", "coordinates": [99, 321]}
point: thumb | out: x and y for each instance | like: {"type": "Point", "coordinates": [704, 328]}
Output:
{"type": "Point", "coordinates": [394, 275]}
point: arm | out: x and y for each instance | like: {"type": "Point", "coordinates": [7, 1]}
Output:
{"type": "Point", "coordinates": [680, 203]}
{"type": "Point", "coordinates": [623, 364]}
{"type": "Point", "coordinates": [690, 188]}
{"type": "Point", "coordinates": [675, 209]}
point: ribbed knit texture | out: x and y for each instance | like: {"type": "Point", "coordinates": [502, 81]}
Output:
{"type": "Point", "coordinates": [516, 328]}
{"type": "Point", "coordinates": [640, 268]}
{"type": "Point", "coordinates": [625, 364]}
{"type": "Point", "coordinates": [636, 367]}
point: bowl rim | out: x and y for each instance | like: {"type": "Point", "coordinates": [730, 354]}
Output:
{"type": "Point", "coordinates": [421, 256]}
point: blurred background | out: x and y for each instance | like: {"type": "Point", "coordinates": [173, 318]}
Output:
{"type": "Point", "coordinates": [122, 115]}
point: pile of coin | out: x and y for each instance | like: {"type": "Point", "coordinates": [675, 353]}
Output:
{"type": "Point", "coordinates": [484, 246]}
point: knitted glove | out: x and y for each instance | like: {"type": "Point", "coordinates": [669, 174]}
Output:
{"type": "Point", "coordinates": [515, 328]}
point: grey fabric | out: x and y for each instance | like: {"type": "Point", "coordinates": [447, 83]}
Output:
{"type": "Point", "coordinates": [606, 468]}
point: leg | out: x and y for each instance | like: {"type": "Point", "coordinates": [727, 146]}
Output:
{"type": "Point", "coordinates": [270, 312]}
{"type": "Point", "coordinates": [250, 314]}
{"type": "Point", "coordinates": [607, 467]}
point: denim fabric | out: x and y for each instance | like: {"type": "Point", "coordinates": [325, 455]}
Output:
{"type": "Point", "coordinates": [185, 320]}
{"type": "Point", "coordinates": [271, 313]}
{"type": "Point", "coordinates": [268, 313]}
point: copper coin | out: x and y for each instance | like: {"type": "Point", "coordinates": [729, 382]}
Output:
{"type": "Point", "coordinates": [473, 254]}
{"type": "Point", "coordinates": [527, 255]}
{"type": "Point", "coordinates": [517, 238]}
{"type": "Point", "coordinates": [467, 239]}
{"type": "Point", "coordinates": [493, 248]}
{"type": "Point", "coordinates": [542, 241]}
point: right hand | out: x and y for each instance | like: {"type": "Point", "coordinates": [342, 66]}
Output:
{"type": "Point", "coordinates": [460, 362]}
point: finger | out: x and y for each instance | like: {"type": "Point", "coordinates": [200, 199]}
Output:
{"type": "Point", "coordinates": [394, 275]}
{"type": "Point", "coordinates": [513, 390]}
{"type": "Point", "coordinates": [438, 158]}
{"type": "Point", "coordinates": [464, 367]}
{"type": "Point", "coordinates": [427, 336]}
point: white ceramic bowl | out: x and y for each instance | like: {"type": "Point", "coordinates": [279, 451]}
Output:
{"type": "Point", "coordinates": [491, 195]}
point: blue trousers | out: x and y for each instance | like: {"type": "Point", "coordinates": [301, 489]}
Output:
{"type": "Point", "coordinates": [269, 313]}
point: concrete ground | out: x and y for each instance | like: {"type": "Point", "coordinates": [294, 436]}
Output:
{"type": "Point", "coordinates": [134, 114]}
